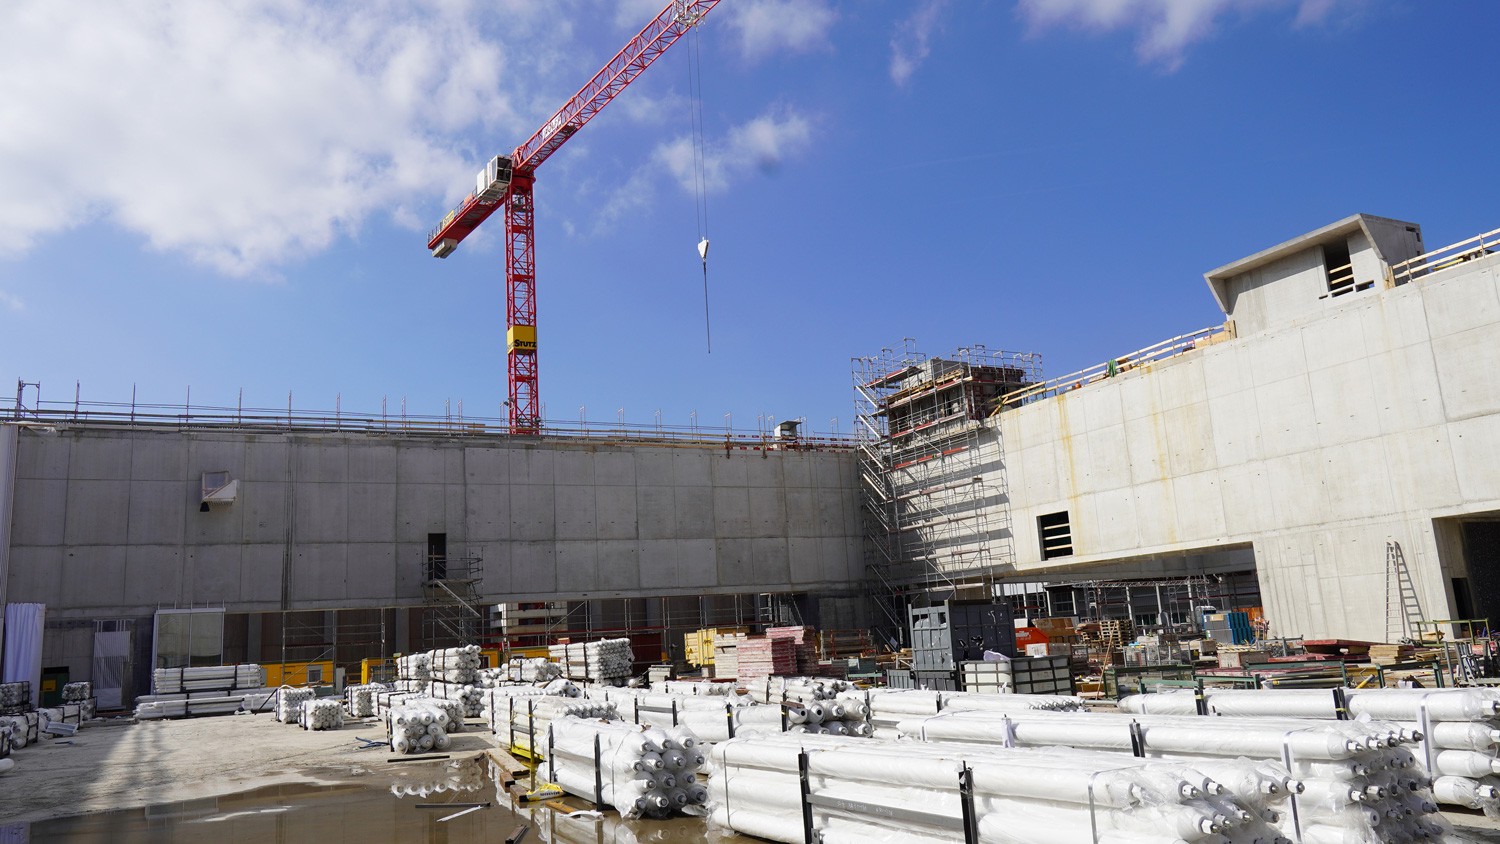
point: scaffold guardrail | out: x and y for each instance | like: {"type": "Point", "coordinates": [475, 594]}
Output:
{"type": "Point", "coordinates": [1178, 345]}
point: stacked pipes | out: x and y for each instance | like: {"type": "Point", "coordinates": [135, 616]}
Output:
{"type": "Point", "coordinates": [638, 770]}
{"type": "Point", "coordinates": [1457, 730]}
{"type": "Point", "coordinates": [470, 698]}
{"type": "Point", "coordinates": [1346, 781]}
{"type": "Point", "coordinates": [77, 692]}
{"type": "Point", "coordinates": [418, 726]}
{"type": "Point", "coordinates": [454, 665]}
{"type": "Point", "coordinates": [15, 695]}
{"type": "Point", "coordinates": [535, 670]}
{"type": "Point", "coordinates": [601, 661]}
{"type": "Point", "coordinates": [801, 689]}
{"type": "Point", "coordinates": [694, 687]}
{"type": "Point", "coordinates": [360, 700]}
{"type": "Point", "coordinates": [859, 791]}
{"type": "Point", "coordinates": [413, 672]}
{"type": "Point", "coordinates": [212, 678]}
{"type": "Point", "coordinates": [326, 714]}
{"type": "Point", "coordinates": [526, 719]}
{"type": "Point", "coordinates": [888, 707]}
{"type": "Point", "coordinates": [289, 703]}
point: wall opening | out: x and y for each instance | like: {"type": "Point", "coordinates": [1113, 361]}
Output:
{"type": "Point", "coordinates": [1056, 535]}
{"type": "Point", "coordinates": [1338, 269]}
{"type": "Point", "coordinates": [437, 556]}
{"type": "Point", "coordinates": [1481, 543]}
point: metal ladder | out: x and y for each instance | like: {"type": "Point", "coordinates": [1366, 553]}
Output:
{"type": "Point", "coordinates": [1403, 609]}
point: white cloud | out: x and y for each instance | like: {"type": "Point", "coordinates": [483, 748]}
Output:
{"type": "Point", "coordinates": [1166, 27]}
{"type": "Point", "coordinates": [247, 133]}
{"type": "Point", "coordinates": [913, 42]}
{"type": "Point", "coordinates": [11, 301]}
{"type": "Point", "coordinates": [770, 26]}
{"type": "Point", "coordinates": [761, 144]}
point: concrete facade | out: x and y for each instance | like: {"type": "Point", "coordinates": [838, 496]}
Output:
{"type": "Point", "coordinates": [107, 521]}
{"type": "Point", "coordinates": [1326, 428]}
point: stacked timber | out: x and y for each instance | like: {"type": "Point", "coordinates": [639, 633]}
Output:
{"type": "Point", "coordinates": [762, 656]}
{"type": "Point", "coordinates": [804, 647]}
{"type": "Point", "coordinates": [726, 655]}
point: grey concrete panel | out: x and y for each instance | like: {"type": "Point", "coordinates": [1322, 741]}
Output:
{"type": "Point", "coordinates": [806, 563]}
{"type": "Point", "coordinates": [1422, 470]}
{"type": "Point", "coordinates": [576, 512]}
{"type": "Point", "coordinates": [1199, 506]}
{"type": "Point", "coordinates": [1179, 382]}
{"type": "Point", "coordinates": [422, 508]}
{"type": "Point", "coordinates": [578, 567]}
{"type": "Point", "coordinates": [322, 512]}
{"type": "Point", "coordinates": [829, 474]}
{"type": "Point", "coordinates": [1278, 355]}
{"type": "Point", "coordinates": [1190, 438]}
{"type": "Point", "coordinates": [653, 467]}
{"type": "Point", "coordinates": [372, 570]}
{"type": "Point", "coordinates": [372, 512]}
{"type": "Point", "coordinates": [97, 512]}
{"type": "Point", "coordinates": [153, 576]}
{"type": "Point", "coordinates": [489, 513]}
{"type": "Point", "coordinates": [160, 459]}
{"type": "Point", "coordinates": [212, 574]}
{"type": "Point", "coordinates": [420, 463]}
{"type": "Point", "coordinates": [731, 512]}
{"type": "Point", "coordinates": [37, 515]}
{"type": "Point", "coordinates": [487, 464]}
{"type": "Point", "coordinates": [1039, 465]}
{"type": "Point", "coordinates": [410, 569]}
{"type": "Point", "coordinates": [1246, 490]}
{"type": "Point", "coordinates": [1407, 390]}
{"type": "Point", "coordinates": [1468, 366]}
{"type": "Point", "coordinates": [1109, 456]}
{"type": "Point", "coordinates": [1100, 408]}
{"type": "Point", "coordinates": [693, 467]}
{"type": "Point", "coordinates": [1359, 480]}
{"type": "Point", "coordinates": [1138, 395]}
{"type": "Point", "coordinates": [614, 512]}
{"type": "Point", "coordinates": [734, 561]}
{"type": "Point", "coordinates": [802, 517]}
{"type": "Point", "coordinates": [1034, 427]}
{"type": "Point", "coordinates": [260, 574]}
{"type": "Point", "coordinates": [320, 572]}
{"type": "Point", "coordinates": [497, 578]}
{"type": "Point", "coordinates": [829, 512]}
{"type": "Point", "coordinates": [323, 459]}
{"type": "Point", "coordinates": [100, 457]}
{"type": "Point", "coordinates": [36, 575]}
{"type": "Point", "coordinates": [1301, 489]}
{"type": "Point", "coordinates": [42, 455]}
{"type": "Point", "coordinates": [1226, 371]}
{"type": "Point", "coordinates": [262, 509]}
{"type": "Point", "coordinates": [1287, 420]}
{"type": "Point", "coordinates": [732, 471]}
{"type": "Point", "coordinates": [658, 565]}
{"type": "Point", "coordinates": [532, 513]}
{"type": "Point", "coordinates": [695, 513]}
{"type": "Point", "coordinates": [1337, 339]}
{"type": "Point", "coordinates": [156, 512]}
{"type": "Point", "coordinates": [1344, 403]}
{"type": "Point", "coordinates": [796, 470]}
{"type": "Point", "coordinates": [619, 565]}
{"type": "Point", "coordinates": [1476, 457]}
{"type": "Point", "coordinates": [533, 567]}
{"type": "Point", "coordinates": [1394, 322]}
{"type": "Point", "coordinates": [532, 465]}
{"type": "Point", "coordinates": [267, 458]}
{"type": "Point", "coordinates": [767, 513]}
{"type": "Point", "coordinates": [1459, 303]}
{"type": "Point", "coordinates": [209, 454]}
{"type": "Point", "coordinates": [615, 467]}
{"type": "Point", "coordinates": [1116, 522]}
{"type": "Point", "coordinates": [1146, 441]}
{"type": "Point", "coordinates": [574, 468]}
{"type": "Point", "coordinates": [1235, 420]}
{"type": "Point", "coordinates": [762, 471]}
{"type": "Point", "coordinates": [769, 558]}
{"type": "Point", "coordinates": [371, 463]}
{"type": "Point", "coordinates": [656, 511]}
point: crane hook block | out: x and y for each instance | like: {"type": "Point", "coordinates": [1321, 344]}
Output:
{"type": "Point", "coordinates": [703, 249]}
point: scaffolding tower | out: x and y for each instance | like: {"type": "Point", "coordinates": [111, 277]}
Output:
{"type": "Point", "coordinates": [932, 474]}
{"type": "Point", "coordinates": [453, 614]}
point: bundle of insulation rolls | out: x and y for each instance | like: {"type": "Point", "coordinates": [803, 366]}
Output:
{"type": "Point", "coordinates": [1456, 731]}
{"type": "Point", "coordinates": [418, 726]}
{"type": "Point", "coordinates": [638, 770]}
{"type": "Point", "coordinates": [326, 714]}
{"type": "Point", "coordinates": [289, 702]}
{"type": "Point", "coordinates": [886, 790]}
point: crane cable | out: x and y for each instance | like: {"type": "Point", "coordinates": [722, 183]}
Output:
{"type": "Point", "coordinates": [700, 169]}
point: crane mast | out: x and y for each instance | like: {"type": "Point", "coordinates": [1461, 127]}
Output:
{"type": "Point", "coordinates": [507, 181]}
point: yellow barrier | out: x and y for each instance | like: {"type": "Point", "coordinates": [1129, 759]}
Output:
{"type": "Point", "coordinates": [297, 673]}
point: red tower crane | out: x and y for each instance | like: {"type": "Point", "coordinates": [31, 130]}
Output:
{"type": "Point", "coordinates": [507, 181]}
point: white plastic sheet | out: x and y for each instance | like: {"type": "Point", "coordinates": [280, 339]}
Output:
{"type": "Point", "coordinates": [23, 645]}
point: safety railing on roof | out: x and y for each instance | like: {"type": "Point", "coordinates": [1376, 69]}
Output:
{"type": "Point", "coordinates": [1452, 255]}
{"type": "Point", "coordinates": [1181, 344]}
{"type": "Point", "coordinates": [177, 417]}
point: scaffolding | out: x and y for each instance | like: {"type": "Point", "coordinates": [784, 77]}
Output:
{"type": "Point", "coordinates": [932, 475]}
{"type": "Point", "coordinates": [453, 614]}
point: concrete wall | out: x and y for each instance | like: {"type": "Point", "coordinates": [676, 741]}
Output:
{"type": "Point", "coordinates": [1314, 440]}
{"type": "Point", "coordinates": [107, 521]}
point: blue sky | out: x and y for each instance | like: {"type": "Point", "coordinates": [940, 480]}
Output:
{"type": "Point", "coordinates": [236, 196]}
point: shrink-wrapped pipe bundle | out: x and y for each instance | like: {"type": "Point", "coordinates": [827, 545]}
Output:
{"type": "Point", "coordinates": [775, 689]}
{"type": "Point", "coordinates": [911, 791]}
{"type": "Point", "coordinates": [469, 697]}
{"type": "Point", "coordinates": [325, 714]}
{"type": "Point", "coordinates": [414, 667]}
{"type": "Point", "coordinates": [19, 730]}
{"type": "Point", "coordinates": [522, 720]}
{"type": "Point", "coordinates": [533, 670]}
{"type": "Point", "coordinates": [289, 702]}
{"type": "Point", "coordinates": [360, 700]}
{"type": "Point", "coordinates": [1344, 775]}
{"type": "Point", "coordinates": [887, 707]}
{"type": "Point", "coordinates": [454, 665]}
{"type": "Point", "coordinates": [601, 661]}
{"type": "Point", "coordinates": [211, 678]}
{"type": "Point", "coordinates": [15, 695]}
{"type": "Point", "coordinates": [1456, 731]}
{"type": "Point", "coordinates": [694, 687]}
{"type": "Point", "coordinates": [418, 726]}
{"type": "Point", "coordinates": [638, 770]}
{"type": "Point", "coordinates": [77, 692]}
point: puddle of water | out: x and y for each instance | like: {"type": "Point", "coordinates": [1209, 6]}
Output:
{"type": "Point", "coordinates": [386, 806]}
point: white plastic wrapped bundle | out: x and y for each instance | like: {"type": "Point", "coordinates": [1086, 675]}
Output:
{"type": "Point", "coordinates": [18, 728]}
{"type": "Point", "coordinates": [14, 695]}
{"type": "Point", "coordinates": [77, 692]}
{"type": "Point", "coordinates": [533, 670]}
{"type": "Point", "coordinates": [212, 678]}
{"type": "Point", "coordinates": [910, 791]}
{"type": "Point", "coordinates": [289, 702]}
{"type": "Point", "coordinates": [523, 720]}
{"type": "Point", "coordinates": [455, 665]}
{"type": "Point", "coordinates": [418, 726]}
{"type": "Point", "coordinates": [802, 689]}
{"type": "Point", "coordinates": [413, 667]}
{"type": "Point", "coordinates": [638, 770]}
{"type": "Point", "coordinates": [325, 714]}
{"type": "Point", "coordinates": [602, 660]}
{"type": "Point", "coordinates": [470, 698]}
{"type": "Point", "coordinates": [695, 687]}
{"type": "Point", "coordinates": [360, 700]}
{"type": "Point", "coordinates": [887, 707]}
